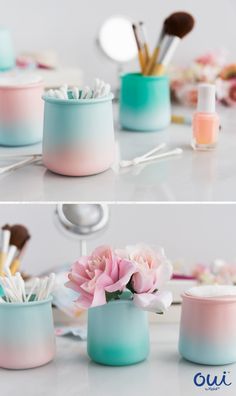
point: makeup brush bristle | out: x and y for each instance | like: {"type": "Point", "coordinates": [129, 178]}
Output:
{"type": "Point", "coordinates": [6, 227]}
{"type": "Point", "coordinates": [19, 236]}
{"type": "Point", "coordinates": [179, 24]}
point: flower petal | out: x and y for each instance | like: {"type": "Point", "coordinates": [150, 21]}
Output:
{"type": "Point", "coordinates": [157, 302]}
{"type": "Point", "coordinates": [126, 270]}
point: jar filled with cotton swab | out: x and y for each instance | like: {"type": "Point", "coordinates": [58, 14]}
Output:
{"type": "Point", "coordinates": [27, 337]}
{"type": "Point", "coordinates": [78, 138]}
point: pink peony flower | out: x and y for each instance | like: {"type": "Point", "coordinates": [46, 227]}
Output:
{"type": "Point", "coordinates": [226, 91]}
{"type": "Point", "coordinates": [91, 276]}
{"type": "Point", "coordinates": [152, 273]}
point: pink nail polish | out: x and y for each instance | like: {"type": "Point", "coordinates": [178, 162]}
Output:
{"type": "Point", "coordinates": [205, 120]}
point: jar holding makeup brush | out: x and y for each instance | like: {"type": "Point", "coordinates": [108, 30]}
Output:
{"type": "Point", "coordinates": [27, 337]}
{"type": "Point", "coordinates": [78, 137]}
{"type": "Point", "coordinates": [144, 102]}
{"type": "Point", "coordinates": [21, 110]}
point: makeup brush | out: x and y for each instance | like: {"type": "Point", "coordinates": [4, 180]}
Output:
{"type": "Point", "coordinates": [144, 41]}
{"type": "Point", "coordinates": [15, 265]}
{"type": "Point", "coordinates": [4, 246]}
{"type": "Point", "coordinates": [177, 26]}
{"type": "Point", "coordinates": [19, 236]}
{"type": "Point", "coordinates": [140, 52]}
{"type": "Point", "coordinates": [173, 24]}
{"type": "Point", "coordinates": [153, 59]}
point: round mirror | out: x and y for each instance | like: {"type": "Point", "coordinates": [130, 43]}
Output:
{"type": "Point", "coordinates": [116, 39]}
{"type": "Point", "coordinates": [82, 219]}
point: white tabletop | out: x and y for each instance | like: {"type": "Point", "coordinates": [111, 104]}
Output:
{"type": "Point", "coordinates": [194, 176]}
{"type": "Point", "coordinates": [73, 374]}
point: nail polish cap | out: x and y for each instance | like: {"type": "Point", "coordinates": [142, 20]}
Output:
{"type": "Point", "coordinates": [206, 98]}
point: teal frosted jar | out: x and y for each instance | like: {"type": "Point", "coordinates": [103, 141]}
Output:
{"type": "Point", "coordinates": [118, 334]}
{"type": "Point", "coordinates": [144, 102]}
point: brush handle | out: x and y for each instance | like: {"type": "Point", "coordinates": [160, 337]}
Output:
{"type": "Point", "coordinates": [158, 70]}
{"type": "Point", "coordinates": [3, 257]}
{"type": "Point", "coordinates": [152, 61]}
{"type": "Point", "coordinates": [141, 60]}
{"type": "Point", "coordinates": [147, 53]}
{"type": "Point", "coordinates": [15, 265]}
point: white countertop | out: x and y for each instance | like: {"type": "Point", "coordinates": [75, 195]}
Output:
{"type": "Point", "coordinates": [73, 374]}
{"type": "Point", "coordinates": [194, 176]}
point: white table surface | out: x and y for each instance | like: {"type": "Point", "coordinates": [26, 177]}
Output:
{"type": "Point", "coordinates": [73, 374]}
{"type": "Point", "coordinates": [194, 176]}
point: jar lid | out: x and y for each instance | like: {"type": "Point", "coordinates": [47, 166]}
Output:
{"type": "Point", "coordinates": [212, 291]}
{"type": "Point", "coordinates": [18, 80]}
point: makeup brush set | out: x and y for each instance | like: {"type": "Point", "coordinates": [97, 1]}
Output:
{"type": "Point", "coordinates": [175, 27]}
{"type": "Point", "coordinates": [14, 242]}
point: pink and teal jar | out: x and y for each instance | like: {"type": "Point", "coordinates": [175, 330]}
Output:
{"type": "Point", "coordinates": [144, 102]}
{"type": "Point", "coordinates": [26, 334]}
{"type": "Point", "coordinates": [118, 334]}
{"type": "Point", "coordinates": [208, 330]}
{"type": "Point", "coordinates": [78, 136]}
{"type": "Point", "coordinates": [21, 111]}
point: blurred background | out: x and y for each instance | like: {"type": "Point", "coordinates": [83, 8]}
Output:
{"type": "Point", "coordinates": [190, 234]}
{"type": "Point", "coordinates": [70, 28]}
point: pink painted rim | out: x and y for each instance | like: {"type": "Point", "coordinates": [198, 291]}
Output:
{"type": "Point", "coordinates": [211, 300]}
{"type": "Point", "coordinates": [22, 86]}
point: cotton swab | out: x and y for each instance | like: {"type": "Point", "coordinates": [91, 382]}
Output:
{"type": "Point", "coordinates": [141, 160]}
{"type": "Point", "coordinates": [101, 89]}
{"type": "Point", "coordinates": [75, 92]}
{"type": "Point", "coordinates": [27, 161]}
{"type": "Point", "coordinates": [14, 288]}
{"type": "Point", "coordinates": [33, 288]}
{"type": "Point", "coordinates": [64, 90]}
{"type": "Point", "coordinates": [176, 151]}
{"type": "Point", "coordinates": [126, 163]}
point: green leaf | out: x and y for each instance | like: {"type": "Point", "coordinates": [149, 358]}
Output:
{"type": "Point", "coordinates": [113, 295]}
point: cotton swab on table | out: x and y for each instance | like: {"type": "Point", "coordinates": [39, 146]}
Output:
{"type": "Point", "coordinates": [126, 163]}
{"type": "Point", "coordinates": [27, 161]}
{"type": "Point", "coordinates": [176, 151]}
{"type": "Point", "coordinates": [142, 160]}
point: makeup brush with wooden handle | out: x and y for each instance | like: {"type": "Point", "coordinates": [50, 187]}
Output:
{"type": "Point", "coordinates": [144, 42]}
{"type": "Point", "coordinates": [177, 26]}
{"type": "Point", "coordinates": [139, 46]}
{"type": "Point", "coordinates": [153, 59]}
{"type": "Point", "coordinates": [4, 246]}
{"type": "Point", "coordinates": [19, 236]}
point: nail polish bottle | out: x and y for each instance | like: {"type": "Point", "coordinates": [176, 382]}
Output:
{"type": "Point", "coordinates": [205, 120]}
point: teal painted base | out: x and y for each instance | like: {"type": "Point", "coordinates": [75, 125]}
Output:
{"type": "Point", "coordinates": [21, 134]}
{"type": "Point", "coordinates": [208, 353]}
{"type": "Point", "coordinates": [144, 103]}
{"type": "Point", "coordinates": [118, 334]}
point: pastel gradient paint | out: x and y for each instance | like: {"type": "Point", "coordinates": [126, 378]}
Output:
{"type": "Point", "coordinates": [27, 337]}
{"type": "Point", "coordinates": [144, 102]}
{"type": "Point", "coordinates": [208, 329]}
{"type": "Point", "coordinates": [118, 334]}
{"type": "Point", "coordinates": [78, 137]}
{"type": "Point", "coordinates": [21, 111]}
